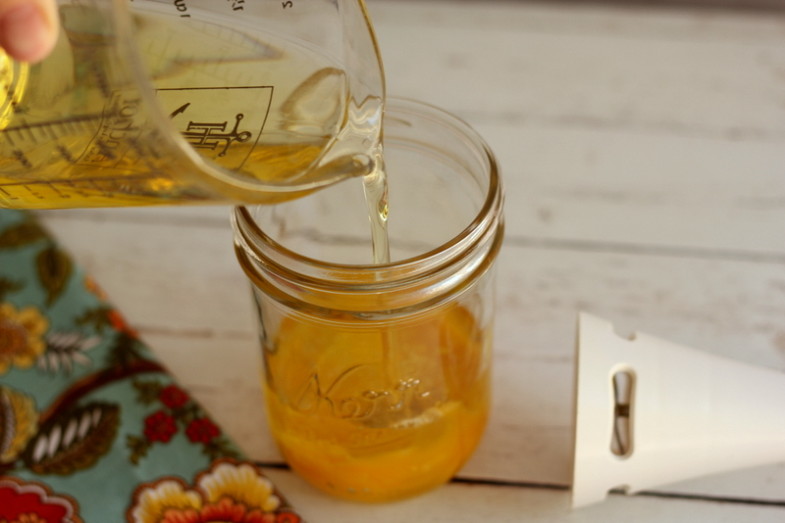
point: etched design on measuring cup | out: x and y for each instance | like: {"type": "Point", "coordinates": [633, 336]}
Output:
{"type": "Point", "coordinates": [204, 135]}
{"type": "Point", "coordinates": [119, 127]}
{"type": "Point", "coordinates": [223, 124]}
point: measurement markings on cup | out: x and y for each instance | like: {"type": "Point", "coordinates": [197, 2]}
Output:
{"type": "Point", "coordinates": [42, 132]}
{"type": "Point", "coordinates": [25, 137]}
{"type": "Point", "coordinates": [43, 189]}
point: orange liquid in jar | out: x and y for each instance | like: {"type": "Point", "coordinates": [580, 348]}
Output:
{"type": "Point", "coordinates": [377, 412]}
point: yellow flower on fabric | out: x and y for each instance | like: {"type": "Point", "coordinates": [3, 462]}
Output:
{"type": "Point", "coordinates": [241, 483]}
{"type": "Point", "coordinates": [229, 491]}
{"type": "Point", "coordinates": [168, 496]}
{"type": "Point", "coordinates": [21, 336]}
{"type": "Point", "coordinates": [20, 423]}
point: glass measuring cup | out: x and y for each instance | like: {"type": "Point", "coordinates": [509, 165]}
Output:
{"type": "Point", "coordinates": [190, 101]}
{"type": "Point", "coordinates": [377, 377]}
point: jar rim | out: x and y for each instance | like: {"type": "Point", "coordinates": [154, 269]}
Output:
{"type": "Point", "coordinates": [489, 213]}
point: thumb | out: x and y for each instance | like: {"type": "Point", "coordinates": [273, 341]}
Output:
{"type": "Point", "coordinates": [28, 28]}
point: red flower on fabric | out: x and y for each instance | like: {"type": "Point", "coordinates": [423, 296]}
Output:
{"type": "Point", "coordinates": [175, 411]}
{"type": "Point", "coordinates": [34, 502]}
{"type": "Point", "coordinates": [173, 396]}
{"type": "Point", "coordinates": [202, 430]}
{"type": "Point", "coordinates": [159, 426]}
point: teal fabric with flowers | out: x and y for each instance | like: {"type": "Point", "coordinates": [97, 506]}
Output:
{"type": "Point", "coordinates": [92, 427]}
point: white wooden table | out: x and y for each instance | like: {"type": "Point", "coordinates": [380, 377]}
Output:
{"type": "Point", "coordinates": [643, 152]}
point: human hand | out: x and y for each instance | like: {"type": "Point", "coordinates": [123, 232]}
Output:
{"type": "Point", "coordinates": [28, 28]}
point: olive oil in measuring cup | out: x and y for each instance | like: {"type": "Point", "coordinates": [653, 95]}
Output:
{"type": "Point", "coordinates": [191, 102]}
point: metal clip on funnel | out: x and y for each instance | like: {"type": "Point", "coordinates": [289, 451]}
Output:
{"type": "Point", "coordinates": [649, 412]}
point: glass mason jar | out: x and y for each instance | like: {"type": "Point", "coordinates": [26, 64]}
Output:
{"type": "Point", "coordinates": [377, 377]}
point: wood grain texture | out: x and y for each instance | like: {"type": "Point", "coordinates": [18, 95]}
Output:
{"type": "Point", "coordinates": [472, 503]}
{"type": "Point", "coordinates": [642, 152]}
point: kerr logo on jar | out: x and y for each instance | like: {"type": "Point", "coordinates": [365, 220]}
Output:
{"type": "Point", "coordinates": [406, 396]}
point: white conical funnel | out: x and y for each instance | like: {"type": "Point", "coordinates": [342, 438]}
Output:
{"type": "Point", "coordinates": [650, 412]}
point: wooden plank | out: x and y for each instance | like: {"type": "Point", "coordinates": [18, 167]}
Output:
{"type": "Point", "coordinates": [542, 286]}
{"type": "Point", "coordinates": [649, 289]}
{"type": "Point", "coordinates": [578, 17]}
{"type": "Point", "coordinates": [664, 192]}
{"type": "Point", "coordinates": [628, 126]}
{"type": "Point", "coordinates": [616, 189]}
{"type": "Point", "coordinates": [587, 160]}
{"type": "Point", "coordinates": [642, 154]}
{"type": "Point", "coordinates": [701, 74]}
{"type": "Point", "coordinates": [191, 281]}
{"type": "Point", "coordinates": [740, 5]}
{"type": "Point", "coordinates": [456, 503]}
{"type": "Point", "coordinates": [195, 307]}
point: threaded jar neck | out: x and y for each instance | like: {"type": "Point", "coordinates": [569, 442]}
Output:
{"type": "Point", "coordinates": [421, 280]}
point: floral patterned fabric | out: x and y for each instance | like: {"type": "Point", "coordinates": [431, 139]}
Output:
{"type": "Point", "coordinates": [92, 427]}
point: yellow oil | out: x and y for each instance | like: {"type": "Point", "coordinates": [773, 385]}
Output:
{"type": "Point", "coordinates": [264, 114]}
{"type": "Point", "coordinates": [375, 190]}
{"type": "Point", "coordinates": [378, 412]}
